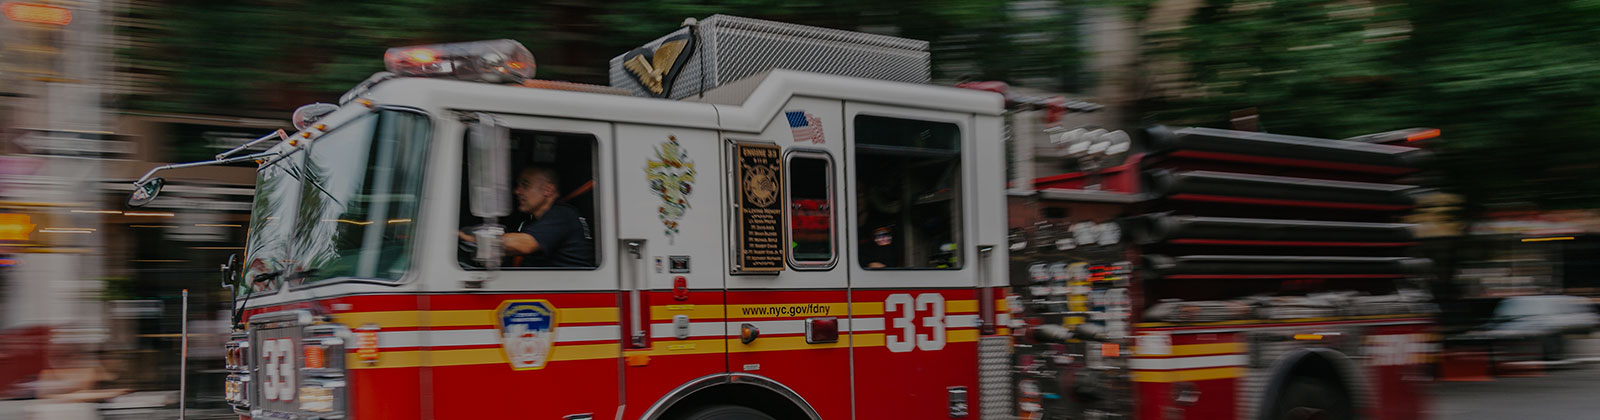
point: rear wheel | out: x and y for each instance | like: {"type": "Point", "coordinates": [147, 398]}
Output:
{"type": "Point", "coordinates": [1312, 399]}
{"type": "Point", "coordinates": [726, 412]}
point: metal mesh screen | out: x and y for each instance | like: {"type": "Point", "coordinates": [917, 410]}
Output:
{"type": "Point", "coordinates": [994, 378]}
{"type": "Point", "coordinates": [731, 48]}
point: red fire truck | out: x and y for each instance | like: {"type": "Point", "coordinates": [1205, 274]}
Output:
{"type": "Point", "coordinates": [1211, 274]}
{"type": "Point", "coordinates": [762, 220]}
{"type": "Point", "coordinates": [756, 220]}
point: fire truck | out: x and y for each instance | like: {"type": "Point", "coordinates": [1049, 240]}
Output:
{"type": "Point", "coordinates": [699, 229]}
{"type": "Point", "coordinates": [764, 220]}
{"type": "Point", "coordinates": [1210, 274]}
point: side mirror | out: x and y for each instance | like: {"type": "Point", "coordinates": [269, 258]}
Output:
{"type": "Point", "coordinates": [146, 192]}
{"type": "Point", "coordinates": [489, 172]}
{"type": "Point", "coordinates": [230, 271]}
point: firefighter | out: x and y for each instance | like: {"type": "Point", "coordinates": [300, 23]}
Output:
{"type": "Point", "coordinates": [554, 234]}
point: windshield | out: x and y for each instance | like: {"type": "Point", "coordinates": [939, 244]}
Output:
{"type": "Point", "coordinates": [360, 197]}
{"type": "Point", "coordinates": [344, 208]}
{"type": "Point", "coordinates": [271, 225]}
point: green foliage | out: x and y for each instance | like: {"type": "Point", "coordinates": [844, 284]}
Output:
{"type": "Point", "coordinates": [1512, 86]}
{"type": "Point", "coordinates": [265, 58]}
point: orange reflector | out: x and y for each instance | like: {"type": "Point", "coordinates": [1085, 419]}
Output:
{"type": "Point", "coordinates": [1308, 337]}
{"type": "Point", "coordinates": [367, 344]}
{"type": "Point", "coordinates": [1424, 135]}
{"type": "Point", "coordinates": [1110, 350]}
{"type": "Point", "coordinates": [315, 357]}
{"type": "Point", "coordinates": [365, 102]}
{"type": "Point", "coordinates": [306, 134]}
{"type": "Point", "coordinates": [321, 127]}
{"type": "Point", "coordinates": [37, 13]}
{"type": "Point", "coordinates": [636, 360]}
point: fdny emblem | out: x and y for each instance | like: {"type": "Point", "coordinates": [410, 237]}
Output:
{"type": "Point", "coordinates": [527, 332]}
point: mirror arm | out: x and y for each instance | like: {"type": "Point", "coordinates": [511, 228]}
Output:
{"type": "Point", "coordinates": [280, 134]}
{"type": "Point", "coordinates": [147, 175]}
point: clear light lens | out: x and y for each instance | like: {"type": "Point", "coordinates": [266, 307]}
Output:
{"type": "Point", "coordinates": [497, 61]}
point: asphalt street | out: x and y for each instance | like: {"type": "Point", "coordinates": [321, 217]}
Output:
{"type": "Point", "coordinates": [1569, 390]}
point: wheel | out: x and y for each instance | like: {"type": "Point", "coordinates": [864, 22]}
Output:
{"type": "Point", "coordinates": [726, 412]}
{"type": "Point", "coordinates": [1312, 399]}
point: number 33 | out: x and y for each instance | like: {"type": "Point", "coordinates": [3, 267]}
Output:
{"type": "Point", "coordinates": [902, 311]}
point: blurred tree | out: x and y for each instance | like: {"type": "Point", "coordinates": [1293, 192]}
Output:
{"type": "Point", "coordinates": [266, 57]}
{"type": "Point", "coordinates": [1512, 86]}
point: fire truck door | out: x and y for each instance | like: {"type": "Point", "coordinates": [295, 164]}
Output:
{"type": "Point", "coordinates": [671, 273]}
{"type": "Point", "coordinates": [543, 327]}
{"type": "Point", "coordinates": [788, 284]}
{"type": "Point", "coordinates": [911, 235]}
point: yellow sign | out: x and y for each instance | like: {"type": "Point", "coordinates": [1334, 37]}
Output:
{"type": "Point", "coordinates": [14, 227]}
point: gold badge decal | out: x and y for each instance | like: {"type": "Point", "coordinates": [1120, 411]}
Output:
{"type": "Point", "coordinates": [656, 69]}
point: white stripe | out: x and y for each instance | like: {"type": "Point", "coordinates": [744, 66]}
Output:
{"type": "Point", "coordinates": [476, 337]}
{"type": "Point", "coordinates": [961, 321]}
{"type": "Point", "coordinates": [861, 324]}
{"type": "Point", "coordinates": [696, 329]}
{"type": "Point", "coordinates": [1189, 362]}
{"type": "Point", "coordinates": [1003, 319]}
{"type": "Point", "coordinates": [589, 333]}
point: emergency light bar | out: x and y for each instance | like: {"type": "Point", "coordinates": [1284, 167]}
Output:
{"type": "Point", "coordinates": [497, 61]}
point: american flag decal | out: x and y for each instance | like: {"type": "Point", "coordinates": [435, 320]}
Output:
{"type": "Point", "coordinates": [806, 127]}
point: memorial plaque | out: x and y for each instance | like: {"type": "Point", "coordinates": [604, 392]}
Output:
{"type": "Point", "coordinates": [760, 196]}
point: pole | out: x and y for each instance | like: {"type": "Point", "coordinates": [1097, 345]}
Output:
{"type": "Point", "coordinates": [183, 360]}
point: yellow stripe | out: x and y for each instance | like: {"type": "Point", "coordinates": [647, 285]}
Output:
{"type": "Point", "coordinates": [1187, 375]}
{"type": "Point", "coordinates": [960, 306]}
{"type": "Point", "coordinates": [588, 315]}
{"type": "Point", "coordinates": [682, 347]}
{"type": "Point", "coordinates": [391, 319]}
{"type": "Point", "coordinates": [961, 336]}
{"type": "Point", "coordinates": [866, 308]}
{"type": "Point", "coordinates": [868, 340]}
{"type": "Point", "coordinates": [414, 358]}
{"type": "Point", "coordinates": [388, 359]}
{"type": "Point", "coordinates": [666, 312]}
{"type": "Point", "coordinates": [1000, 305]}
{"type": "Point", "coordinates": [467, 357]}
{"type": "Point", "coordinates": [1199, 349]}
{"type": "Point", "coordinates": [462, 318]}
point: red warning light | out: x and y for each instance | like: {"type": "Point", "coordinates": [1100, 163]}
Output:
{"type": "Point", "coordinates": [37, 13]}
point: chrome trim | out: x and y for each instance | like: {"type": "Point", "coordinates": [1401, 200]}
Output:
{"type": "Point", "coordinates": [699, 384]}
{"type": "Point", "coordinates": [833, 208]}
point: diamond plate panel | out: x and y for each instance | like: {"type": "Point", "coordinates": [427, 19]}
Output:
{"type": "Point", "coordinates": [732, 48]}
{"type": "Point", "coordinates": [994, 379]}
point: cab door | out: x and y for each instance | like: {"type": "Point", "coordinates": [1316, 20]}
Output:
{"type": "Point", "coordinates": [786, 276]}
{"type": "Point", "coordinates": [914, 271]}
{"type": "Point", "coordinates": [517, 346]}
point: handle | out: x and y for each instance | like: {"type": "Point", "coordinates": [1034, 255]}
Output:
{"type": "Point", "coordinates": [632, 283]}
{"type": "Point", "coordinates": [986, 309]}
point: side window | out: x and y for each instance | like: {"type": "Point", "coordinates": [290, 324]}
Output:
{"type": "Point", "coordinates": [809, 180]}
{"type": "Point", "coordinates": [908, 190]}
{"type": "Point", "coordinates": [552, 222]}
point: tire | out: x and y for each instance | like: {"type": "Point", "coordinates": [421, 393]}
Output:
{"type": "Point", "coordinates": [1312, 399]}
{"type": "Point", "coordinates": [726, 412]}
